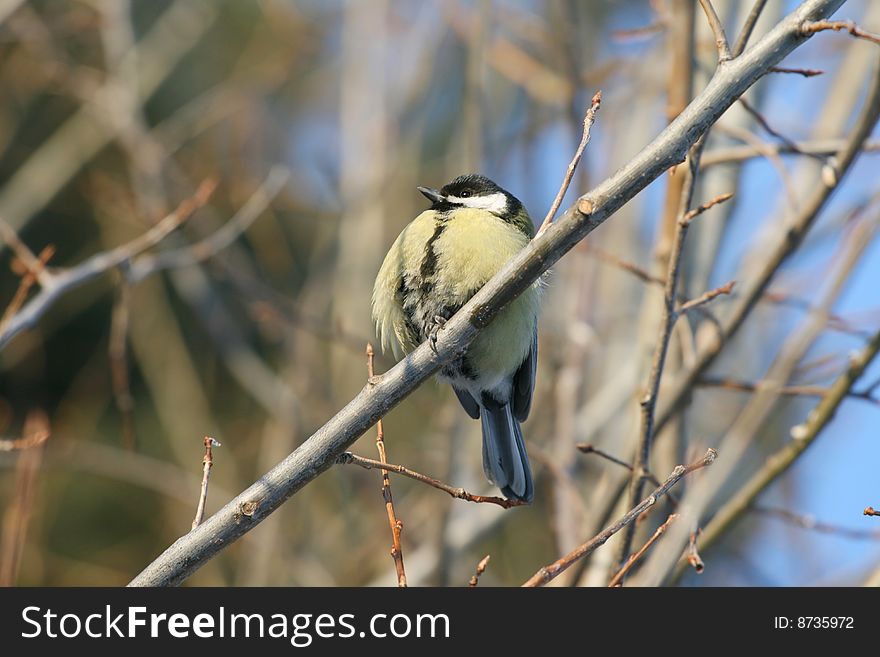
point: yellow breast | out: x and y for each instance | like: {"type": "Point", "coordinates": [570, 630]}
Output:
{"type": "Point", "coordinates": [473, 246]}
{"type": "Point", "coordinates": [469, 246]}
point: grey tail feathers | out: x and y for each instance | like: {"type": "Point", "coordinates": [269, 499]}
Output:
{"type": "Point", "coordinates": [504, 453]}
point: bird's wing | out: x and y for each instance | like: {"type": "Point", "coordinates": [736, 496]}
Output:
{"type": "Point", "coordinates": [524, 382]}
{"type": "Point", "coordinates": [388, 302]}
{"type": "Point", "coordinates": [468, 403]}
{"type": "Point", "coordinates": [403, 259]}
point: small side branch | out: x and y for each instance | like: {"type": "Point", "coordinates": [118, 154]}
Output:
{"type": "Point", "coordinates": [749, 27]}
{"type": "Point", "coordinates": [481, 568]}
{"type": "Point", "coordinates": [30, 273]}
{"type": "Point", "coordinates": [769, 129]}
{"type": "Point", "coordinates": [690, 215]}
{"type": "Point", "coordinates": [590, 449]}
{"type": "Point", "coordinates": [33, 265]}
{"type": "Point", "coordinates": [805, 72]}
{"type": "Point", "coordinates": [717, 30]}
{"type": "Point", "coordinates": [821, 147]}
{"type": "Point", "coordinates": [706, 297]}
{"type": "Point", "coordinates": [617, 580]}
{"type": "Point", "coordinates": [16, 517]}
{"type": "Point", "coordinates": [811, 523]}
{"type": "Point", "coordinates": [838, 26]}
{"type": "Point", "coordinates": [548, 573]}
{"type": "Point", "coordinates": [788, 391]}
{"type": "Point", "coordinates": [585, 139]}
{"type": "Point", "coordinates": [693, 555]}
{"type": "Point", "coordinates": [207, 464]}
{"type": "Point", "coordinates": [871, 511]}
{"type": "Point", "coordinates": [395, 524]}
{"type": "Point", "coordinates": [347, 458]}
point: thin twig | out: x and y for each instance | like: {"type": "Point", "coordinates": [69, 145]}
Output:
{"type": "Point", "coordinates": [617, 580]}
{"type": "Point", "coordinates": [347, 458]}
{"type": "Point", "coordinates": [810, 523]}
{"type": "Point", "coordinates": [848, 26]}
{"type": "Point", "coordinates": [585, 139]}
{"type": "Point", "coordinates": [395, 524]}
{"type": "Point", "coordinates": [789, 391]}
{"type": "Point", "coordinates": [639, 32]}
{"type": "Point", "coordinates": [481, 568]}
{"type": "Point", "coordinates": [717, 30]}
{"type": "Point", "coordinates": [871, 511]}
{"type": "Point", "coordinates": [18, 512]}
{"type": "Point", "coordinates": [34, 434]}
{"type": "Point", "coordinates": [690, 215]}
{"type": "Point", "coordinates": [822, 147]}
{"type": "Point", "coordinates": [706, 297]}
{"type": "Point", "coordinates": [765, 124]}
{"type": "Point", "coordinates": [749, 27]}
{"type": "Point", "coordinates": [774, 159]}
{"type": "Point", "coordinates": [639, 272]}
{"type": "Point", "coordinates": [34, 265]}
{"type": "Point", "coordinates": [28, 277]}
{"type": "Point", "coordinates": [549, 572]}
{"type": "Point", "coordinates": [590, 449]}
{"type": "Point", "coordinates": [806, 72]}
{"type": "Point", "coordinates": [693, 555]}
{"type": "Point", "coordinates": [207, 464]}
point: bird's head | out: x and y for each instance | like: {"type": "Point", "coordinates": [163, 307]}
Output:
{"type": "Point", "coordinates": [473, 191]}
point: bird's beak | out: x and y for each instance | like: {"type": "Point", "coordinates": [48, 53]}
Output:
{"type": "Point", "coordinates": [432, 194]}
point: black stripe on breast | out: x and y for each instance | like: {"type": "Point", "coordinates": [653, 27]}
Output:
{"type": "Point", "coordinates": [404, 292]}
{"type": "Point", "coordinates": [429, 264]}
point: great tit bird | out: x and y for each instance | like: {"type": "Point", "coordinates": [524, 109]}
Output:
{"type": "Point", "coordinates": [439, 261]}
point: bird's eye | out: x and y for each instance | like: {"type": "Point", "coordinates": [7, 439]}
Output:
{"type": "Point", "coordinates": [465, 194]}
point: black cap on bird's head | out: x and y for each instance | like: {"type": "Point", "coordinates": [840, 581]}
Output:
{"type": "Point", "coordinates": [473, 191]}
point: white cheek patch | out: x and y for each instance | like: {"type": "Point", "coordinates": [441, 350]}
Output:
{"type": "Point", "coordinates": [495, 203]}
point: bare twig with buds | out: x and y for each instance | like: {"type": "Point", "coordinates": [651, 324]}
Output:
{"type": "Point", "coordinates": [585, 139]}
{"type": "Point", "coordinates": [481, 568]}
{"type": "Point", "coordinates": [395, 524]}
{"type": "Point", "coordinates": [207, 464]}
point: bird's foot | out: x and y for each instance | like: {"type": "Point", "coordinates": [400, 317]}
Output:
{"type": "Point", "coordinates": [439, 322]}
